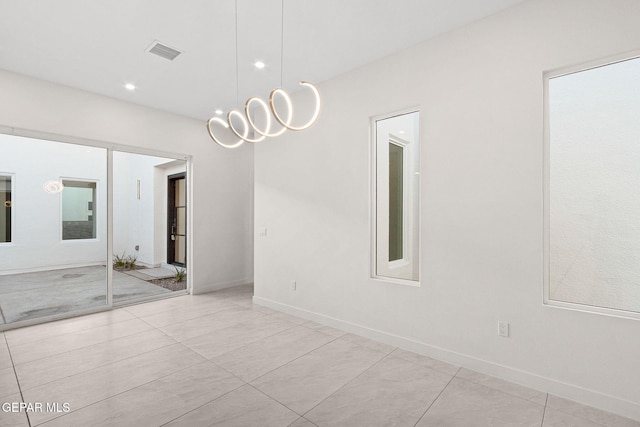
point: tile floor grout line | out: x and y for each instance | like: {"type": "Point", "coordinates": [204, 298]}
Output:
{"type": "Point", "coordinates": [104, 365]}
{"type": "Point", "coordinates": [126, 391]}
{"type": "Point", "coordinates": [73, 349]}
{"type": "Point", "coordinates": [85, 347]}
{"type": "Point", "coordinates": [500, 390]}
{"type": "Point", "coordinates": [308, 420]}
{"type": "Point", "coordinates": [436, 399]}
{"type": "Point", "coordinates": [275, 400]}
{"type": "Point", "coordinates": [214, 363]}
{"type": "Point", "coordinates": [142, 316]}
{"type": "Point", "coordinates": [4, 321]}
{"type": "Point", "coordinates": [425, 366]}
{"type": "Point", "coordinates": [588, 419]}
{"type": "Point", "coordinates": [317, 348]}
{"type": "Point", "coordinates": [226, 370]}
{"type": "Point", "coordinates": [16, 375]}
{"type": "Point", "coordinates": [241, 347]}
{"type": "Point", "coordinates": [127, 307]}
{"type": "Point", "coordinates": [171, 308]}
{"type": "Point", "coordinates": [237, 348]}
{"type": "Point", "coordinates": [67, 333]}
{"type": "Point", "coordinates": [52, 318]}
{"type": "Point", "coordinates": [207, 333]}
{"type": "Point", "coordinates": [158, 329]}
{"type": "Point", "coordinates": [204, 404]}
{"type": "Point", "coordinates": [348, 382]}
{"type": "Point", "coordinates": [254, 379]}
{"type": "Point", "coordinates": [113, 362]}
{"type": "Point", "coordinates": [284, 364]}
{"type": "Point", "coordinates": [544, 412]}
{"type": "Point", "coordinates": [191, 319]}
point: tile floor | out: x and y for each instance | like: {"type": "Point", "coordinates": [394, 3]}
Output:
{"type": "Point", "coordinates": [217, 359]}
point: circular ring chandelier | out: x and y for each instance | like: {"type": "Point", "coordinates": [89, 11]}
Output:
{"type": "Point", "coordinates": [247, 123]}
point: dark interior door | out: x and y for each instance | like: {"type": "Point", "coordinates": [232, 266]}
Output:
{"type": "Point", "coordinates": [5, 209]}
{"type": "Point", "coordinates": [177, 220]}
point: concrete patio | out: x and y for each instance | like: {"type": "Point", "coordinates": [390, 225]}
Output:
{"type": "Point", "coordinates": [31, 295]}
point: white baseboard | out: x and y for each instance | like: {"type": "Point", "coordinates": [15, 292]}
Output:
{"type": "Point", "coordinates": [578, 394]}
{"type": "Point", "coordinates": [210, 287]}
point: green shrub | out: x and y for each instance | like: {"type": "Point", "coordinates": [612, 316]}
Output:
{"type": "Point", "coordinates": [180, 274]}
{"type": "Point", "coordinates": [130, 262]}
{"type": "Point", "coordinates": [125, 261]}
{"type": "Point", "coordinates": [119, 260]}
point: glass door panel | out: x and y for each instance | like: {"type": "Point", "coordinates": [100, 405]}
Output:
{"type": "Point", "coordinates": [53, 228]}
{"type": "Point", "coordinates": [149, 226]}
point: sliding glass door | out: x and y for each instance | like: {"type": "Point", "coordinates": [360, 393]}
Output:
{"type": "Point", "coordinates": [53, 228]}
{"type": "Point", "coordinates": [146, 230]}
{"type": "Point", "coordinates": [84, 228]}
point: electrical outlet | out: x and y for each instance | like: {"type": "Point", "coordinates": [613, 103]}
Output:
{"type": "Point", "coordinates": [503, 329]}
{"type": "Point", "coordinates": [293, 285]}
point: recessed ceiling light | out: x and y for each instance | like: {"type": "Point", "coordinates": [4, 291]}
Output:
{"type": "Point", "coordinates": [130, 86]}
{"type": "Point", "coordinates": [400, 131]}
{"type": "Point", "coordinates": [259, 65]}
{"type": "Point", "coordinates": [219, 112]}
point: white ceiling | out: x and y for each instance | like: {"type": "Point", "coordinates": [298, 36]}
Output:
{"type": "Point", "coordinates": [99, 46]}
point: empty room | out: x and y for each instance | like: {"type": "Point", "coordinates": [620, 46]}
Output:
{"type": "Point", "coordinates": [320, 213]}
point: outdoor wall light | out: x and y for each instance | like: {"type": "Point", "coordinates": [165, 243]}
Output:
{"type": "Point", "coordinates": [53, 187]}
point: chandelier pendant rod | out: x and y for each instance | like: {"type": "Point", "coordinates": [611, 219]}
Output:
{"type": "Point", "coordinates": [270, 110]}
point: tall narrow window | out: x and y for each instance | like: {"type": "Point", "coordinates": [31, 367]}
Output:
{"type": "Point", "coordinates": [395, 198]}
{"type": "Point", "coordinates": [5, 209]}
{"type": "Point", "coordinates": [593, 186]}
{"type": "Point", "coordinates": [78, 213]}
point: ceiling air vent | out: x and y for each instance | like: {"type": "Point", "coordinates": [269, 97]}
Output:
{"type": "Point", "coordinates": [163, 50]}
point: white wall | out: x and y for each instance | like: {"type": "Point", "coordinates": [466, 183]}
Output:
{"type": "Point", "coordinates": [132, 215]}
{"type": "Point", "coordinates": [36, 241]}
{"type": "Point", "coordinates": [221, 186]}
{"type": "Point", "coordinates": [480, 89]}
